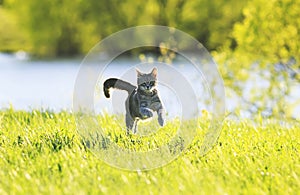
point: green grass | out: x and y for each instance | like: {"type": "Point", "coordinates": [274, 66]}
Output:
{"type": "Point", "coordinates": [41, 153]}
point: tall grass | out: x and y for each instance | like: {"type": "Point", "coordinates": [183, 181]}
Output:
{"type": "Point", "coordinates": [42, 153]}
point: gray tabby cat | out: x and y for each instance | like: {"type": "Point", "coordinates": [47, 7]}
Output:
{"type": "Point", "coordinates": [142, 100]}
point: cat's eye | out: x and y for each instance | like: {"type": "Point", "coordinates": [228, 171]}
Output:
{"type": "Point", "coordinates": [152, 83]}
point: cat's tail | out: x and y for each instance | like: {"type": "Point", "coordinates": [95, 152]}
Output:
{"type": "Point", "coordinates": [117, 84]}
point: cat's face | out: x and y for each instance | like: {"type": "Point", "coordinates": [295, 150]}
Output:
{"type": "Point", "coordinates": [147, 82]}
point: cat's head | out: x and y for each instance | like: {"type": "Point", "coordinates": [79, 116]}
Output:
{"type": "Point", "coordinates": [147, 82]}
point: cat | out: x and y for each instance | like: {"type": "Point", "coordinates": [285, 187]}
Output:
{"type": "Point", "coordinates": [142, 100]}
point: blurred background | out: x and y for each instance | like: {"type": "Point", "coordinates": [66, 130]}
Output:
{"type": "Point", "coordinates": [256, 45]}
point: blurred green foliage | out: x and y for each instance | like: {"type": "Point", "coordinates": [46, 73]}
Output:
{"type": "Point", "coordinates": [266, 56]}
{"type": "Point", "coordinates": [68, 27]}
{"type": "Point", "coordinates": [270, 31]}
{"type": "Point", "coordinates": [10, 37]}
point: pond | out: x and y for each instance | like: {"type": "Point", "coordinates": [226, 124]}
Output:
{"type": "Point", "coordinates": [37, 84]}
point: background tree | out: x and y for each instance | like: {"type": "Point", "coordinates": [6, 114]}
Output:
{"type": "Point", "coordinates": [11, 36]}
{"type": "Point", "coordinates": [267, 56]}
{"type": "Point", "coordinates": [73, 27]}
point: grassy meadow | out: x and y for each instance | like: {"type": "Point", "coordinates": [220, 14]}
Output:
{"type": "Point", "coordinates": [41, 152]}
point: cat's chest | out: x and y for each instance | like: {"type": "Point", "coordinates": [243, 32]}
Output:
{"type": "Point", "coordinates": [145, 101]}
{"type": "Point", "coordinates": [151, 102]}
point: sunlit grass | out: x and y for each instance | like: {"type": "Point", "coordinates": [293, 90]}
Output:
{"type": "Point", "coordinates": [41, 152]}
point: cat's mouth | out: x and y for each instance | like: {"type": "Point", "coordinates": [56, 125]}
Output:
{"type": "Point", "coordinates": [148, 90]}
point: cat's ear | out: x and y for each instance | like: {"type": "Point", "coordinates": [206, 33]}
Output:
{"type": "Point", "coordinates": [154, 72]}
{"type": "Point", "coordinates": [138, 73]}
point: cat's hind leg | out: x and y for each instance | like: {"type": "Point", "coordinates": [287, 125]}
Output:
{"type": "Point", "coordinates": [135, 128]}
{"type": "Point", "coordinates": [129, 123]}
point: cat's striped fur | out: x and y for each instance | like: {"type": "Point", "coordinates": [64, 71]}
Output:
{"type": "Point", "coordinates": [142, 100]}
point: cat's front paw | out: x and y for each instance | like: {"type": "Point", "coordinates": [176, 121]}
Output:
{"type": "Point", "coordinates": [161, 121]}
{"type": "Point", "coordinates": [146, 113]}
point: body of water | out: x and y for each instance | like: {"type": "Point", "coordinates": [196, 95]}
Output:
{"type": "Point", "coordinates": [49, 84]}
{"type": "Point", "coordinates": [26, 84]}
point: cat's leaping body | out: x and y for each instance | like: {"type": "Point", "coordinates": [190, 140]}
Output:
{"type": "Point", "coordinates": [142, 100]}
